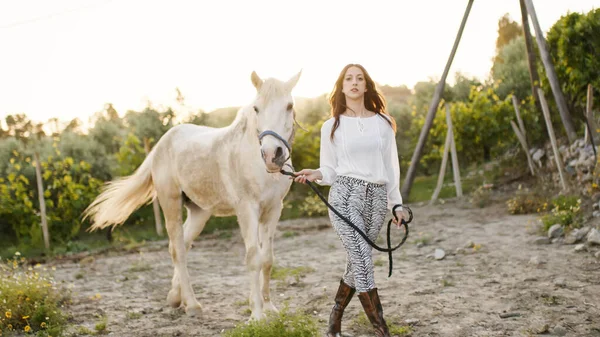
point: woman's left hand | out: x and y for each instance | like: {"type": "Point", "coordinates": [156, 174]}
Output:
{"type": "Point", "coordinates": [401, 216]}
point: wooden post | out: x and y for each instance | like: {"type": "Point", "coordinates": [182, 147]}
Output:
{"type": "Point", "coordinates": [40, 187]}
{"type": "Point", "coordinates": [534, 77]}
{"type": "Point", "coordinates": [522, 134]}
{"type": "Point", "coordinates": [437, 95]}
{"type": "Point", "coordinates": [440, 181]}
{"type": "Point", "coordinates": [455, 168]}
{"type": "Point", "coordinates": [590, 135]}
{"type": "Point", "coordinates": [551, 74]}
{"type": "Point", "coordinates": [155, 207]}
{"type": "Point", "coordinates": [519, 119]}
{"type": "Point", "coordinates": [523, 142]}
{"type": "Point", "coordinates": [559, 164]}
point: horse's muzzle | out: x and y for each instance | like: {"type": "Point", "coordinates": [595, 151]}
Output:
{"type": "Point", "coordinates": [274, 160]}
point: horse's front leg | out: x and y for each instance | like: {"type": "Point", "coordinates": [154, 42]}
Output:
{"type": "Point", "coordinates": [267, 232]}
{"type": "Point", "coordinates": [247, 215]}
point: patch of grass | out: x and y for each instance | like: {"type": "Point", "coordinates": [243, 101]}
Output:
{"type": "Point", "coordinates": [361, 325]}
{"type": "Point", "coordinates": [285, 323]}
{"type": "Point", "coordinates": [123, 237]}
{"type": "Point", "coordinates": [447, 283]}
{"type": "Point", "coordinates": [220, 223]}
{"type": "Point", "coordinates": [31, 300]}
{"type": "Point", "coordinates": [380, 262]}
{"type": "Point", "coordinates": [549, 299]}
{"type": "Point", "coordinates": [423, 186]}
{"type": "Point", "coordinates": [82, 330]}
{"type": "Point", "coordinates": [79, 275]}
{"type": "Point", "coordinates": [424, 239]}
{"type": "Point", "coordinates": [283, 273]}
{"type": "Point", "coordinates": [224, 234]}
{"type": "Point", "coordinates": [289, 234]}
{"type": "Point", "coordinates": [242, 303]}
{"type": "Point", "coordinates": [100, 327]}
{"type": "Point", "coordinates": [399, 330]}
{"type": "Point", "coordinates": [134, 315]}
{"type": "Point", "coordinates": [140, 266]}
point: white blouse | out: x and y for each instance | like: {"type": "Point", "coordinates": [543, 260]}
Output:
{"type": "Point", "coordinates": [363, 148]}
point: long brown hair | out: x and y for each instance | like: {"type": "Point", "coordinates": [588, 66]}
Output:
{"type": "Point", "coordinates": [373, 99]}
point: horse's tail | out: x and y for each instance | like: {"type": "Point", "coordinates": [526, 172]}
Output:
{"type": "Point", "coordinates": [121, 197]}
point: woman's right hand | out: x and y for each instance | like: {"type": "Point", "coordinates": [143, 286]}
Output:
{"type": "Point", "coordinates": [307, 174]}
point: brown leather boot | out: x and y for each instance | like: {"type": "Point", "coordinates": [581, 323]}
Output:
{"type": "Point", "coordinates": [372, 306]}
{"type": "Point", "coordinates": [342, 298]}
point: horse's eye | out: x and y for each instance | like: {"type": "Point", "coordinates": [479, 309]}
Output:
{"type": "Point", "coordinates": [255, 109]}
{"type": "Point", "coordinates": [290, 106]}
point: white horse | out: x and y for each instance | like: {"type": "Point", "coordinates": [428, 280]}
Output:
{"type": "Point", "coordinates": [215, 171]}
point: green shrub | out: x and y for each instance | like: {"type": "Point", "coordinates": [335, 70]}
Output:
{"type": "Point", "coordinates": [276, 325]}
{"type": "Point", "coordinates": [481, 196]}
{"type": "Point", "coordinates": [31, 300]}
{"type": "Point", "coordinates": [313, 206]}
{"type": "Point", "coordinates": [526, 202]}
{"type": "Point", "coordinates": [566, 211]}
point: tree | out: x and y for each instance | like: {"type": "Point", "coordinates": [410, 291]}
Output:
{"type": "Point", "coordinates": [149, 124]}
{"type": "Point", "coordinates": [19, 126]}
{"type": "Point", "coordinates": [507, 31]}
{"type": "Point", "coordinates": [108, 129]}
{"type": "Point", "coordinates": [461, 89]}
{"type": "Point", "coordinates": [74, 126]}
{"type": "Point", "coordinates": [510, 69]}
{"type": "Point", "coordinates": [574, 44]}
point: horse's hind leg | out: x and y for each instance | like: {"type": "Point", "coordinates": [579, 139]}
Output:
{"type": "Point", "coordinates": [193, 226]}
{"type": "Point", "coordinates": [268, 224]}
{"type": "Point", "coordinates": [171, 203]}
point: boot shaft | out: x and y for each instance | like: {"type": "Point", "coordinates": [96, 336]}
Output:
{"type": "Point", "coordinates": [372, 307]}
{"type": "Point", "coordinates": [342, 299]}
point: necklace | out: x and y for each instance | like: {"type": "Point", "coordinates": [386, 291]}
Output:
{"type": "Point", "coordinates": [361, 125]}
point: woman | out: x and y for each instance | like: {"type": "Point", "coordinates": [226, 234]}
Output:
{"type": "Point", "coordinates": [359, 159]}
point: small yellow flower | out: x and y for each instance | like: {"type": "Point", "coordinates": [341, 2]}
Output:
{"type": "Point", "coordinates": [43, 325]}
{"type": "Point", "coordinates": [27, 328]}
{"type": "Point", "coordinates": [9, 327]}
{"type": "Point", "coordinates": [25, 317]}
{"type": "Point", "coordinates": [8, 314]}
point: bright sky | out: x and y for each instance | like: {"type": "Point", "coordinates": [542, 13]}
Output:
{"type": "Point", "coordinates": [67, 58]}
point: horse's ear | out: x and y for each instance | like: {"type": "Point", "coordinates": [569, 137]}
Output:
{"type": "Point", "coordinates": [256, 81]}
{"type": "Point", "coordinates": [291, 83]}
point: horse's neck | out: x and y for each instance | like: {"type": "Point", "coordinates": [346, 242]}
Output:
{"type": "Point", "coordinates": [243, 130]}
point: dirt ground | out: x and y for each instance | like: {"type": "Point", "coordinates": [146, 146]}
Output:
{"type": "Point", "coordinates": [544, 289]}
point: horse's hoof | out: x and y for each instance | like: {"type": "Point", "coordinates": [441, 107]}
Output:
{"type": "Point", "coordinates": [174, 298]}
{"type": "Point", "coordinates": [194, 311]}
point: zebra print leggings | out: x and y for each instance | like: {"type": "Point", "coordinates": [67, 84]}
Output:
{"type": "Point", "coordinates": [365, 204]}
